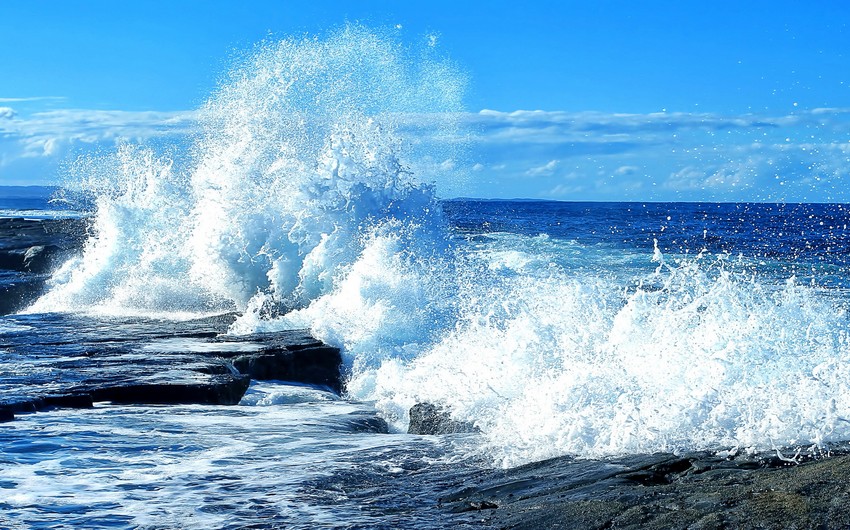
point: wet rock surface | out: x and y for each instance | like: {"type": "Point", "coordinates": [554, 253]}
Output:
{"type": "Point", "coordinates": [29, 250]}
{"type": "Point", "coordinates": [66, 361]}
{"type": "Point", "coordinates": [427, 418]}
{"type": "Point", "coordinates": [315, 365]}
{"type": "Point", "coordinates": [697, 490]}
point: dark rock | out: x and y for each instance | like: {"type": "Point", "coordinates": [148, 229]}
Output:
{"type": "Point", "coordinates": [476, 506]}
{"type": "Point", "coordinates": [367, 424]}
{"type": "Point", "coordinates": [42, 258]}
{"type": "Point", "coordinates": [427, 418]}
{"type": "Point", "coordinates": [213, 369]}
{"type": "Point", "coordinates": [18, 294]}
{"type": "Point", "coordinates": [314, 365]}
{"type": "Point", "coordinates": [37, 259]}
{"type": "Point", "coordinates": [6, 415]}
{"type": "Point", "coordinates": [659, 473]}
{"type": "Point", "coordinates": [69, 401]}
{"type": "Point", "coordinates": [20, 233]}
{"type": "Point", "coordinates": [73, 361]}
{"type": "Point", "coordinates": [12, 260]}
{"type": "Point", "coordinates": [223, 390]}
{"type": "Point", "coordinates": [23, 405]}
{"type": "Point", "coordinates": [698, 490]}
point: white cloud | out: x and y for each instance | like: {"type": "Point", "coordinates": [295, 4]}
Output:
{"type": "Point", "coordinates": [447, 165]}
{"type": "Point", "coordinates": [33, 145]}
{"type": "Point", "coordinates": [767, 172]}
{"type": "Point", "coordinates": [667, 156]}
{"type": "Point", "coordinates": [36, 98]}
{"type": "Point", "coordinates": [546, 169]}
{"type": "Point", "coordinates": [42, 133]}
{"type": "Point", "coordinates": [571, 155]}
{"type": "Point", "coordinates": [621, 122]}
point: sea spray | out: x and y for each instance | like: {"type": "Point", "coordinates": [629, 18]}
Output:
{"type": "Point", "coordinates": [298, 159]}
{"type": "Point", "coordinates": [548, 361]}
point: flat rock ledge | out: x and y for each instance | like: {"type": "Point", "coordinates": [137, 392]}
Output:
{"type": "Point", "coordinates": [664, 491]}
{"type": "Point", "coordinates": [76, 362]}
{"type": "Point", "coordinates": [63, 361]}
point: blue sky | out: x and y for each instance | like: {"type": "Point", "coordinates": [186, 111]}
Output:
{"type": "Point", "coordinates": [606, 100]}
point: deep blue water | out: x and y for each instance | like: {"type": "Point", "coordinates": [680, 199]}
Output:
{"type": "Point", "coordinates": [807, 232]}
{"type": "Point", "coordinates": [36, 201]}
{"type": "Point", "coordinates": [811, 241]}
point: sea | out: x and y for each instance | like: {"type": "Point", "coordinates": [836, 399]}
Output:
{"type": "Point", "coordinates": [580, 329]}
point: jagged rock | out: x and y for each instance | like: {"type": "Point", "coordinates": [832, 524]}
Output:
{"type": "Point", "coordinates": [427, 418]}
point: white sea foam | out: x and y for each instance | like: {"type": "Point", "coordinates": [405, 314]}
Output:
{"type": "Point", "coordinates": [564, 364]}
{"type": "Point", "coordinates": [39, 214]}
{"type": "Point", "coordinates": [199, 467]}
{"type": "Point", "coordinates": [296, 208]}
{"type": "Point", "coordinates": [11, 327]}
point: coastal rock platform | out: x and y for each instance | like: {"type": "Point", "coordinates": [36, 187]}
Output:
{"type": "Point", "coordinates": [76, 361]}
{"type": "Point", "coordinates": [664, 491]}
{"type": "Point", "coordinates": [73, 361]}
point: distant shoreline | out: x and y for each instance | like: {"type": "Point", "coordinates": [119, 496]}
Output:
{"type": "Point", "coordinates": [27, 192]}
{"type": "Point", "coordinates": [45, 192]}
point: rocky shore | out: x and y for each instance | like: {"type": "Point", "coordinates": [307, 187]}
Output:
{"type": "Point", "coordinates": [784, 489]}
{"type": "Point", "coordinates": [76, 362]}
{"type": "Point", "coordinates": [67, 361]}
{"type": "Point", "coordinates": [696, 490]}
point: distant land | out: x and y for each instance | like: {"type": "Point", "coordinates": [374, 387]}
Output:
{"type": "Point", "coordinates": [26, 192]}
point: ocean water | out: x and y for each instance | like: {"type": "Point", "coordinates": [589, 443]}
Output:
{"type": "Point", "coordinates": [36, 202]}
{"type": "Point", "coordinates": [556, 328]}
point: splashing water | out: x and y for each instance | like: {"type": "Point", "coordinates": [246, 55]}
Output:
{"type": "Point", "coordinates": [296, 206]}
{"type": "Point", "coordinates": [297, 162]}
{"type": "Point", "coordinates": [554, 363]}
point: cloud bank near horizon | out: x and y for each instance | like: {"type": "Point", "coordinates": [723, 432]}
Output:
{"type": "Point", "coordinates": [800, 156]}
{"type": "Point", "coordinates": [33, 146]}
